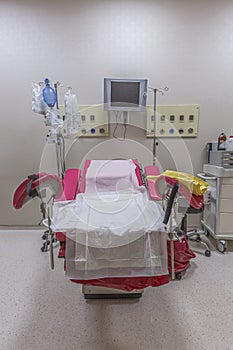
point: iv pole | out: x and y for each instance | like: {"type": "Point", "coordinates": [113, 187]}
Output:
{"type": "Point", "coordinates": [60, 145]}
{"type": "Point", "coordinates": [154, 120]}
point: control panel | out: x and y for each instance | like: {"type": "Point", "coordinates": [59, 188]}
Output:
{"type": "Point", "coordinates": [173, 121]}
{"type": "Point", "coordinates": [93, 122]}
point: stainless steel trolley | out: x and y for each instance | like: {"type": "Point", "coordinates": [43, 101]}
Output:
{"type": "Point", "coordinates": [218, 212]}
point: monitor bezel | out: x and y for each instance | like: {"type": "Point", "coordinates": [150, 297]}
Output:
{"type": "Point", "coordinates": [142, 95]}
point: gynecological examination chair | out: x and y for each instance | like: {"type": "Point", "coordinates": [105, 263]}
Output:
{"type": "Point", "coordinates": [114, 235]}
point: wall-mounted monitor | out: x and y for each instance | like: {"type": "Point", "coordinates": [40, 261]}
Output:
{"type": "Point", "coordinates": [126, 95]}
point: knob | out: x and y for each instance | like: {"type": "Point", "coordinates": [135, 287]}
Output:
{"type": "Point", "coordinates": [190, 130]}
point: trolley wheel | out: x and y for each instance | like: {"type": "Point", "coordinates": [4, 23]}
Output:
{"type": "Point", "coordinates": [208, 253]}
{"type": "Point", "coordinates": [178, 276]}
{"type": "Point", "coordinates": [221, 246]}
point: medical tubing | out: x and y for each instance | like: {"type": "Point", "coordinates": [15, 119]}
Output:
{"type": "Point", "coordinates": [58, 159]}
{"type": "Point", "coordinates": [170, 203]}
{"type": "Point", "coordinates": [60, 151]}
{"type": "Point", "coordinates": [55, 88]}
{"type": "Point", "coordinates": [62, 154]}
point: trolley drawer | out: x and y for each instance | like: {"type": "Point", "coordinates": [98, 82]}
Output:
{"type": "Point", "coordinates": [226, 205]}
{"type": "Point", "coordinates": [227, 191]}
{"type": "Point", "coordinates": [226, 223]}
{"type": "Point", "coordinates": [227, 181]}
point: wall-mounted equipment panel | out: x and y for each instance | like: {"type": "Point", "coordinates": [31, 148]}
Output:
{"type": "Point", "coordinates": [92, 121]}
{"type": "Point", "coordinates": [173, 121]}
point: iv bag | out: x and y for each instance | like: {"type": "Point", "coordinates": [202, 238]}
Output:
{"type": "Point", "coordinates": [53, 119]}
{"type": "Point", "coordinates": [38, 104]}
{"type": "Point", "coordinates": [72, 114]}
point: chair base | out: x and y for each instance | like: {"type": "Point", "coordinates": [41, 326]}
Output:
{"type": "Point", "coordinates": [195, 236]}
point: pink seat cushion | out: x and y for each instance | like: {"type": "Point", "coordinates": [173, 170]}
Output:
{"type": "Point", "coordinates": [82, 186]}
{"type": "Point", "coordinates": [70, 184]}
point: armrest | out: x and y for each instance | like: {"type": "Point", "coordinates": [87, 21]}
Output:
{"type": "Point", "coordinates": [70, 185]}
{"type": "Point", "coordinates": [152, 170]}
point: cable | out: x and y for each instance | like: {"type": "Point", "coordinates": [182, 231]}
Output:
{"type": "Point", "coordinates": [115, 129]}
{"type": "Point", "coordinates": [63, 155]}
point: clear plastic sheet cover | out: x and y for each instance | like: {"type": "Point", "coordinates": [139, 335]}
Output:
{"type": "Point", "coordinates": [108, 222]}
{"type": "Point", "coordinates": [146, 256]}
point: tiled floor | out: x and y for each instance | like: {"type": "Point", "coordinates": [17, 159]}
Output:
{"type": "Point", "coordinates": [40, 309]}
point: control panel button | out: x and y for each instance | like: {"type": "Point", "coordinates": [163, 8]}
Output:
{"type": "Point", "coordinates": [84, 131]}
{"type": "Point", "coordinates": [171, 131]}
{"type": "Point", "coordinates": [92, 131]}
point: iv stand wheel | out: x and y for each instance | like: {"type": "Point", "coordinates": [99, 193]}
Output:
{"type": "Point", "coordinates": [221, 246]}
{"type": "Point", "coordinates": [178, 275]}
{"type": "Point", "coordinates": [208, 253]}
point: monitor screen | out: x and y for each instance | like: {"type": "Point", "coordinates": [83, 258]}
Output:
{"type": "Point", "coordinates": [125, 94]}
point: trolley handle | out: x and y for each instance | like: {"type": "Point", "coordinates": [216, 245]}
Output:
{"type": "Point", "coordinates": [170, 203]}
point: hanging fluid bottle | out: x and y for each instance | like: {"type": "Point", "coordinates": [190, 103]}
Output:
{"type": "Point", "coordinates": [49, 94]}
{"type": "Point", "coordinates": [229, 143]}
{"type": "Point", "coordinates": [222, 141]}
{"type": "Point", "coordinates": [72, 114]}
